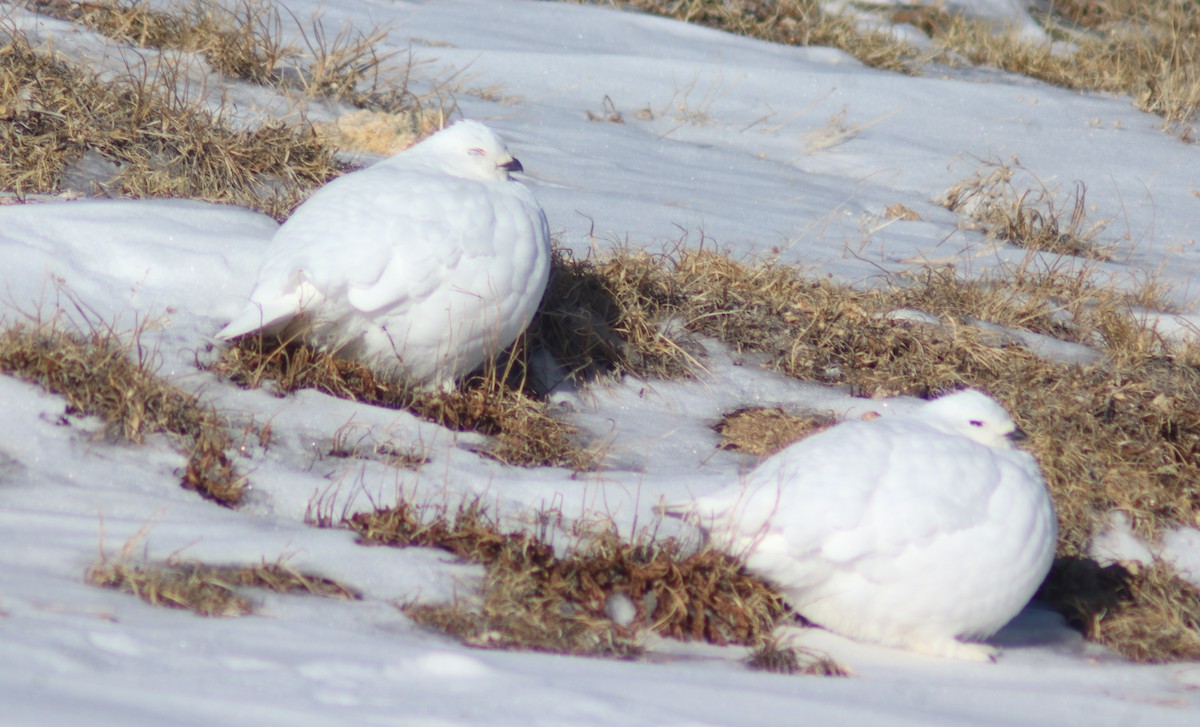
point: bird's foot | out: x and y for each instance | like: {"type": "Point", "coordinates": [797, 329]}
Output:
{"type": "Point", "coordinates": [955, 649]}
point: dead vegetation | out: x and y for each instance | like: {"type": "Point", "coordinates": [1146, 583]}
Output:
{"type": "Point", "coordinates": [1121, 433]}
{"type": "Point", "coordinates": [1147, 50]}
{"type": "Point", "coordinates": [341, 447]}
{"type": "Point", "coordinates": [775, 657]}
{"type": "Point", "coordinates": [1110, 604]}
{"type": "Point", "coordinates": [134, 136]}
{"type": "Point", "coordinates": [1025, 212]}
{"type": "Point", "coordinates": [764, 431]}
{"type": "Point", "coordinates": [145, 133]}
{"type": "Point", "coordinates": [792, 22]}
{"type": "Point", "coordinates": [534, 599]}
{"type": "Point", "coordinates": [492, 402]}
{"type": "Point", "coordinates": [245, 39]}
{"type": "Point", "coordinates": [209, 590]}
{"type": "Point", "coordinates": [100, 374]}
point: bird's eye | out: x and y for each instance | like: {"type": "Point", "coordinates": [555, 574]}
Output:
{"type": "Point", "coordinates": [476, 152]}
{"type": "Point", "coordinates": [976, 423]}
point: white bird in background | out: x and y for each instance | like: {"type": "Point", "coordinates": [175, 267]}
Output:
{"type": "Point", "coordinates": [912, 531]}
{"type": "Point", "coordinates": [423, 265]}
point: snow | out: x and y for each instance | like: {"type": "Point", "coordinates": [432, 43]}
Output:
{"type": "Point", "coordinates": [738, 149]}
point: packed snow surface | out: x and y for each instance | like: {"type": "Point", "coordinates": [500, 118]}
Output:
{"type": "Point", "coordinates": [701, 138]}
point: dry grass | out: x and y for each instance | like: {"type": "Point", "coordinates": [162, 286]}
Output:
{"type": "Point", "coordinates": [244, 39]}
{"type": "Point", "coordinates": [1025, 212]}
{"type": "Point", "coordinates": [138, 134]}
{"type": "Point", "coordinates": [775, 657]}
{"type": "Point", "coordinates": [133, 135]}
{"type": "Point", "coordinates": [1147, 50]}
{"type": "Point", "coordinates": [533, 599]}
{"type": "Point", "coordinates": [791, 22]}
{"type": "Point", "coordinates": [764, 431]}
{"type": "Point", "coordinates": [1147, 613]}
{"type": "Point", "coordinates": [98, 374]}
{"type": "Point", "coordinates": [365, 447]}
{"type": "Point", "coordinates": [209, 590]}
{"type": "Point", "coordinates": [1119, 434]}
{"type": "Point", "coordinates": [604, 316]}
{"type": "Point", "coordinates": [490, 402]}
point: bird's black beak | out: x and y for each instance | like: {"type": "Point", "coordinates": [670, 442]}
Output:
{"type": "Point", "coordinates": [1017, 434]}
{"type": "Point", "coordinates": [512, 166]}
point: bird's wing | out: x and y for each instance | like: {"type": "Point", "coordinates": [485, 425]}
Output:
{"type": "Point", "coordinates": [445, 225]}
{"type": "Point", "coordinates": [376, 237]}
{"type": "Point", "coordinates": [931, 486]}
{"type": "Point", "coordinates": [810, 489]}
{"type": "Point", "coordinates": [861, 488]}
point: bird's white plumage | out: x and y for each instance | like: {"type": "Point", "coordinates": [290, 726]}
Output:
{"type": "Point", "coordinates": [423, 265]}
{"type": "Point", "coordinates": [913, 531]}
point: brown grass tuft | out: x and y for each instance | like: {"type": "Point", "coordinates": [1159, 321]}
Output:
{"type": "Point", "coordinates": [189, 586]}
{"type": "Point", "coordinates": [1029, 217]}
{"type": "Point", "coordinates": [209, 590]}
{"type": "Point", "coordinates": [776, 658]}
{"type": "Point", "coordinates": [1147, 613]}
{"type": "Point", "coordinates": [244, 39]}
{"type": "Point", "coordinates": [525, 434]}
{"type": "Point", "coordinates": [765, 431]}
{"type": "Point", "coordinates": [410, 458]}
{"type": "Point", "coordinates": [1119, 432]}
{"type": "Point", "coordinates": [95, 373]}
{"type": "Point", "coordinates": [601, 317]}
{"type": "Point", "coordinates": [134, 136]}
{"type": "Point", "coordinates": [535, 599]}
{"type": "Point", "coordinates": [1159, 621]}
{"type": "Point", "coordinates": [791, 22]}
{"type": "Point", "coordinates": [1146, 50]}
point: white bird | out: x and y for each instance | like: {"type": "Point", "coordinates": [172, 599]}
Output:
{"type": "Point", "coordinates": [422, 265]}
{"type": "Point", "coordinates": [913, 531]}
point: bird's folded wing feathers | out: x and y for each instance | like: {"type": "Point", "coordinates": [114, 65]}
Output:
{"type": "Point", "coordinates": [914, 503]}
{"type": "Point", "coordinates": [429, 243]}
{"type": "Point", "coordinates": [391, 257]}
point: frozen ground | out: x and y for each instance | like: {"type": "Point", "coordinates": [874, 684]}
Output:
{"type": "Point", "coordinates": [722, 138]}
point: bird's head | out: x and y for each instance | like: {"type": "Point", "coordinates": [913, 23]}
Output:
{"type": "Point", "coordinates": [976, 415]}
{"type": "Point", "coordinates": [470, 150]}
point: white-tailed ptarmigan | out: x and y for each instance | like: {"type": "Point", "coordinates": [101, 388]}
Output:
{"type": "Point", "coordinates": [914, 531]}
{"type": "Point", "coordinates": [422, 265]}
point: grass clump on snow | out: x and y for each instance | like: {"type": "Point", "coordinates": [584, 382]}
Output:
{"type": "Point", "coordinates": [603, 316]}
{"type": "Point", "coordinates": [209, 590]}
{"type": "Point", "coordinates": [1026, 216]}
{"type": "Point", "coordinates": [775, 657]}
{"type": "Point", "coordinates": [245, 39]}
{"type": "Point", "coordinates": [763, 431]}
{"type": "Point", "coordinates": [1144, 611]}
{"type": "Point", "coordinates": [791, 22]}
{"type": "Point", "coordinates": [1116, 431]}
{"type": "Point", "coordinates": [524, 433]}
{"type": "Point", "coordinates": [139, 133]}
{"type": "Point", "coordinates": [97, 373]}
{"type": "Point", "coordinates": [534, 599]}
{"type": "Point", "coordinates": [1147, 50]}
{"type": "Point", "coordinates": [133, 136]}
